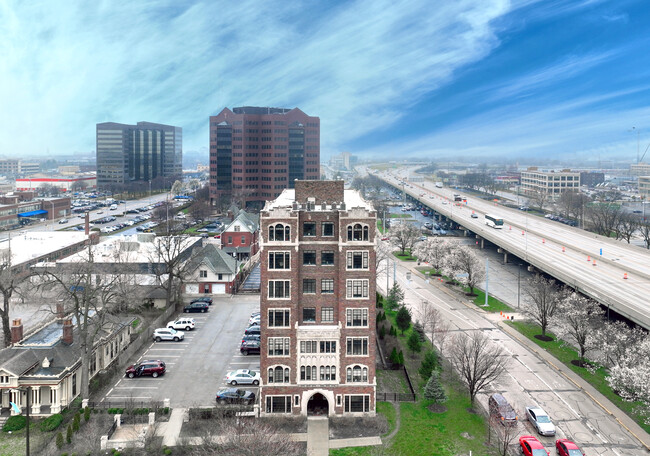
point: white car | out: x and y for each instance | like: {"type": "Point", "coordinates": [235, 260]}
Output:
{"type": "Point", "coordinates": [187, 324]}
{"type": "Point", "coordinates": [254, 321]}
{"type": "Point", "coordinates": [243, 377]}
{"type": "Point", "coordinates": [161, 334]}
{"type": "Point", "coordinates": [540, 420]}
{"type": "Point", "coordinates": [62, 221]}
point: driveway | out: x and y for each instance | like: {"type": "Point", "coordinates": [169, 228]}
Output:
{"type": "Point", "coordinates": [195, 367]}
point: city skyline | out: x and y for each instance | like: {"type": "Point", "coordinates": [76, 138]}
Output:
{"type": "Point", "coordinates": [472, 79]}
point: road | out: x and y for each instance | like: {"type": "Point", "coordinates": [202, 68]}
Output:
{"type": "Point", "coordinates": [529, 381]}
{"type": "Point", "coordinates": [195, 367]}
{"type": "Point", "coordinates": [611, 272]}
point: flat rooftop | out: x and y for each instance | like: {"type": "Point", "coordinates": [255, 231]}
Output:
{"type": "Point", "coordinates": [352, 198]}
{"type": "Point", "coordinates": [34, 244]}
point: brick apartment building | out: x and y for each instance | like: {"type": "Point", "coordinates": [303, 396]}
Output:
{"type": "Point", "coordinates": [318, 301]}
{"type": "Point", "coordinates": [258, 152]}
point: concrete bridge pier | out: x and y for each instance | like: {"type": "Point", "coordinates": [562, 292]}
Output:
{"type": "Point", "coordinates": [505, 255]}
{"type": "Point", "coordinates": [481, 242]}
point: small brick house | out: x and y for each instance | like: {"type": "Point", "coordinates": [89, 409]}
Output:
{"type": "Point", "coordinates": [212, 271]}
{"type": "Point", "coordinates": [241, 237]}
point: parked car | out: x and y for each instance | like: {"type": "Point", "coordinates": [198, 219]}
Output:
{"type": "Point", "coordinates": [501, 409]}
{"type": "Point", "coordinates": [530, 446]}
{"type": "Point", "coordinates": [202, 299]}
{"type": "Point", "coordinates": [196, 307]}
{"type": "Point", "coordinates": [251, 347]}
{"type": "Point", "coordinates": [252, 330]}
{"type": "Point", "coordinates": [151, 367]}
{"type": "Point", "coordinates": [187, 324]}
{"type": "Point", "coordinates": [243, 377]}
{"type": "Point", "coordinates": [540, 420]}
{"type": "Point", "coordinates": [254, 321]}
{"type": "Point", "coordinates": [161, 334]}
{"type": "Point", "coordinates": [566, 447]}
{"type": "Point", "coordinates": [474, 215]}
{"type": "Point", "coordinates": [235, 396]}
{"type": "Point", "coordinates": [248, 337]}
{"type": "Point", "coordinates": [62, 221]}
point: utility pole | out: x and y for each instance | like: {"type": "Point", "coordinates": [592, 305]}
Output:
{"type": "Point", "coordinates": [518, 283]}
{"type": "Point", "coordinates": [487, 280]}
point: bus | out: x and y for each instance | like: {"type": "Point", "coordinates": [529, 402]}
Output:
{"type": "Point", "coordinates": [494, 221]}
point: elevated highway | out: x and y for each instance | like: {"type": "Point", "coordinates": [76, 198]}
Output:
{"type": "Point", "coordinates": [614, 273]}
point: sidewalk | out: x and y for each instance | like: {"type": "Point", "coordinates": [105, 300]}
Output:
{"type": "Point", "coordinates": [317, 436]}
{"type": "Point", "coordinates": [610, 408]}
{"type": "Point", "coordinates": [171, 430]}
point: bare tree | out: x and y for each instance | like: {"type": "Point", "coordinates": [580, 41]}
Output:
{"type": "Point", "coordinates": [572, 203]}
{"type": "Point", "coordinates": [603, 216]}
{"type": "Point", "coordinates": [539, 199]}
{"type": "Point", "coordinates": [169, 262]}
{"type": "Point", "coordinates": [577, 320]}
{"type": "Point", "coordinates": [404, 235]}
{"type": "Point", "coordinates": [478, 361]}
{"type": "Point", "coordinates": [504, 434]}
{"type": "Point", "coordinates": [544, 295]}
{"type": "Point", "coordinates": [644, 230]}
{"type": "Point", "coordinates": [627, 224]}
{"type": "Point", "coordinates": [463, 263]}
{"type": "Point", "coordinates": [429, 317]}
{"type": "Point", "coordinates": [442, 335]}
{"type": "Point", "coordinates": [9, 281]}
{"type": "Point", "coordinates": [433, 251]}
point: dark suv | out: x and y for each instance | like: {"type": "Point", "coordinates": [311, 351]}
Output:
{"type": "Point", "coordinates": [151, 367]}
{"type": "Point", "coordinates": [502, 410]}
{"type": "Point", "coordinates": [250, 347]}
{"type": "Point", "coordinates": [205, 299]}
{"type": "Point", "coordinates": [198, 306]}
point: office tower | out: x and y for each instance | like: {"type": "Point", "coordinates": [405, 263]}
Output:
{"type": "Point", "coordinates": [256, 152]}
{"type": "Point", "coordinates": [143, 152]}
{"type": "Point", "coordinates": [318, 302]}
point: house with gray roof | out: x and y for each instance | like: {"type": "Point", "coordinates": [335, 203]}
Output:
{"type": "Point", "coordinates": [241, 237]}
{"type": "Point", "coordinates": [211, 271]}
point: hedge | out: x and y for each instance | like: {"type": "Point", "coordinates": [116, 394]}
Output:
{"type": "Point", "coordinates": [52, 422]}
{"type": "Point", "coordinates": [15, 423]}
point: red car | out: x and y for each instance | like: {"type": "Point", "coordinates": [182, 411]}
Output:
{"type": "Point", "coordinates": [530, 446]}
{"type": "Point", "coordinates": [150, 367]}
{"type": "Point", "coordinates": [566, 447]}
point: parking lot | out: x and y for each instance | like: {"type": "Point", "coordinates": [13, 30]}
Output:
{"type": "Point", "coordinates": [197, 365]}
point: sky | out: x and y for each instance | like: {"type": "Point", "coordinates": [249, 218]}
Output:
{"type": "Point", "coordinates": [474, 79]}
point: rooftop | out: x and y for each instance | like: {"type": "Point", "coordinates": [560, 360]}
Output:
{"type": "Point", "coordinates": [29, 245]}
{"type": "Point", "coordinates": [351, 199]}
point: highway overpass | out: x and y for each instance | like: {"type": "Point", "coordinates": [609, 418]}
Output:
{"type": "Point", "coordinates": [593, 264]}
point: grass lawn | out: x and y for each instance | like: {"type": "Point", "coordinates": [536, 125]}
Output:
{"type": "Point", "coordinates": [400, 216]}
{"type": "Point", "coordinates": [380, 227]}
{"type": "Point", "coordinates": [14, 443]}
{"type": "Point", "coordinates": [494, 305]}
{"type": "Point", "coordinates": [406, 256]}
{"type": "Point", "coordinates": [566, 354]}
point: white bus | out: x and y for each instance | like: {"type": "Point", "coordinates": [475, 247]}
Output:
{"type": "Point", "coordinates": [494, 221]}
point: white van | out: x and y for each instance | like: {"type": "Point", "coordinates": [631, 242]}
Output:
{"type": "Point", "coordinates": [113, 207]}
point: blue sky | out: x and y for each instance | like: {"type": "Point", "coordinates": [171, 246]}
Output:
{"type": "Point", "coordinates": [446, 79]}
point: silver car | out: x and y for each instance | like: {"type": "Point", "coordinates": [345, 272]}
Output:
{"type": "Point", "coordinates": [161, 334]}
{"type": "Point", "coordinates": [540, 420]}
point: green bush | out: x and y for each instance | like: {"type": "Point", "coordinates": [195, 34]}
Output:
{"type": "Point", "coordinates": [394, 357]}
{"type": "Point", "coordinates": [434, 390]}
{"type": "Point", "coordinates": [414, 343]}
{"type": "Point", "coordinates": [86, 414]}
{"type": "Point", "coordinates": [76, 422]}
{"type": "Point", "coordinates": [59, 440]}
{"type": "Point", "coordinates": [15, 423]}
{"type": "Point", "coordinates": [167, 451]}
{"type": "Point", "coordinates": [68, 434]}
{"type": "Point", "coordinates": [382, 332]}
{"type": "Point", "coordinates": [52, 422]}
{"type": "Point", "coordinates": [64, 454]}
{"type": "Point", "coordinates": [429, 363]}
{"type": "Point", "coordinates": [165, 410]}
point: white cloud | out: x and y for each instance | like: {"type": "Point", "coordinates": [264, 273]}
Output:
{"type": "Point", "coordinates": [356, 64]}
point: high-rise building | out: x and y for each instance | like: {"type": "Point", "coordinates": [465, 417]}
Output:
{"type": "Point", "coordinates": [141, 152]}
{"type": "Point", "coordinates": [258, 152]}
{"type": "Point", "coordinates": [318, 302]}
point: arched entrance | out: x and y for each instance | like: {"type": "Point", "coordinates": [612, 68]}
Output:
{"type": "Point", "coordinates": [317, 405]}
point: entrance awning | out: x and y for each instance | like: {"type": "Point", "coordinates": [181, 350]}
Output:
{"type": "Point", "coordinates": [31, 213]}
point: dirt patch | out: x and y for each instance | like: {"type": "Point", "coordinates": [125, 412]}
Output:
{"type": "Point", "coordinates": [473, 411]}
{"type": "Point", "coordinates": [347, 428]}
{"type": "Point", "coordinates": [543, 338]}
{"type": "Point", "coordinates": [579, 363]}
{"type": "Point", "coordinates": [467, 436]}
{"type": "Point", "coordinates": [437, 408]}
{"type": "Point", "coordinates": [471, 295]}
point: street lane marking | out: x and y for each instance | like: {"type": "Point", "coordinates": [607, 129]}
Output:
{"type": "Point", "coordinates": [131, 397]}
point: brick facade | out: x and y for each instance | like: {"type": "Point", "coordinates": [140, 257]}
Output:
{"type": "Point", "coordinates": [319, 299]}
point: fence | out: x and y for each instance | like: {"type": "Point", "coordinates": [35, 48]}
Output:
{"type": "Point", "coordinates": [112, 429]}
{"type": "Point", "coordinates": [396, 397]}
{"type": "Point", "coordinates": [126, 405]}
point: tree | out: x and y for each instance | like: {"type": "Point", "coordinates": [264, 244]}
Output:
{"type": "Point", "coordinates": [544, 295]}
{"type": "Point", "coordinates": [464, 262]}
{"type": "Point", "coordinates": [572, 203]}
{"type": "Point", "coordinates": [433, 390]}
{"type": "Point", "coordinates": [395, 297]}
{"type": "Point", "coordinates": [627, 224]}
{"type": "Point", "coordinates": [603, 216]}
{"type": "Point", "coordinates": [430, 318]}
{"type": "Point", "coordinates": [9, 281]}
{"type": "Point", "coordinates": [504, 434]}
{"type": "Point", "coordinates": [614, 340]}
{"type": "Point", "coordinates": [414, 343]}
{"type": "Point", "coordinates": [629, 376]}
{"type": "Point", "coordinates": [644, 230]}
{"type": "Point", "coordinates": [177, 188]}
{"type": "Point", "coordinates": [429, 363]}
{"type": "Point", "coordinates": [403, 319]}
{"type": "Point", "coordinates": [404, 235]}
{"type": "Point", "coordinates": [577, 320]}
{"type": "Point", "coordinates": [169, 262]}
{"type": "Point", "coordinates": [59, 440]}
{"type": "Point", "coordinates": [68, 434]}
{"type": "Point", "coordinates": [441, 335]}
{"type": "Point", "coordinates": [539, 199]}
{"type": "Point", "coordinates": [78, 186]}
{"type": "Point", "coordinates": [433, 251]}
{"type": "Point", "coordinates": [478, 361]}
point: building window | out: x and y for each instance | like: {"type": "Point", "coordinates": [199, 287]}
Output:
{"type": "Point", "coordinates": [219, 276]}
{"type": "Point", "coordinates": [308, 286]}
{"type": "Point", "coordinates": [327, 373]}
{"type": "Point", "coordinates": [4, 379]}
{"type": "Point", "coordinates": [278, 318]}
{"type": "Point", "coordinates": [309, 229]}
{"type": "Point", "coordinates": [327, 314]}
{"type": "Point", "coordinates": [203, 274]}
{"type": "Point", "coordinates": [279, 260]}
{"type": "Point", "coordinates": [327, 286]}
{"type": "Point", "coordinates": [357, 403]}
{"type": "Point", "coordinates": [357, 288]}
{"type": "Point", "coordinates": [357, 374]}
{"type": "Point", "coordinates": [279, 232]}
{"type": "Point", "coordinates": [327, 346]}
{"type": "Point", "coordinates": [308, 346]}
{"type": "Point", "coordinates": [309, 314]}
{"type": "Point", "coordinates": [243, 239]}
{"type": "Point", "coordinates": [278, 374]}
{"type": "Point", "coordinates": [278, 404]}
{"type": "Point", "coordinates": [229, 239]}
{"type": "Point", "coordinates": [357, 232]}
{"type": "Point", "coordinates": [357, 317]}
{"type": "Point", "coordinates": [327, 258]}
{"type": "Point", "coordinates": [279, 289]}
{"type": "Point", "coordinates": [279, 346]}
{"type": "Point", "coordinates": [357, 260]}
{"type": "Point", "coordinates": [328, 228]}
{"type": "Point", "coordinates": [338, 400]}
{"type": "Point", "coordinates": [357, 346]}
{"type": "Point", "coordinates": [309, 257]}
{"type": "Point", "coordinates": [308, 373]}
